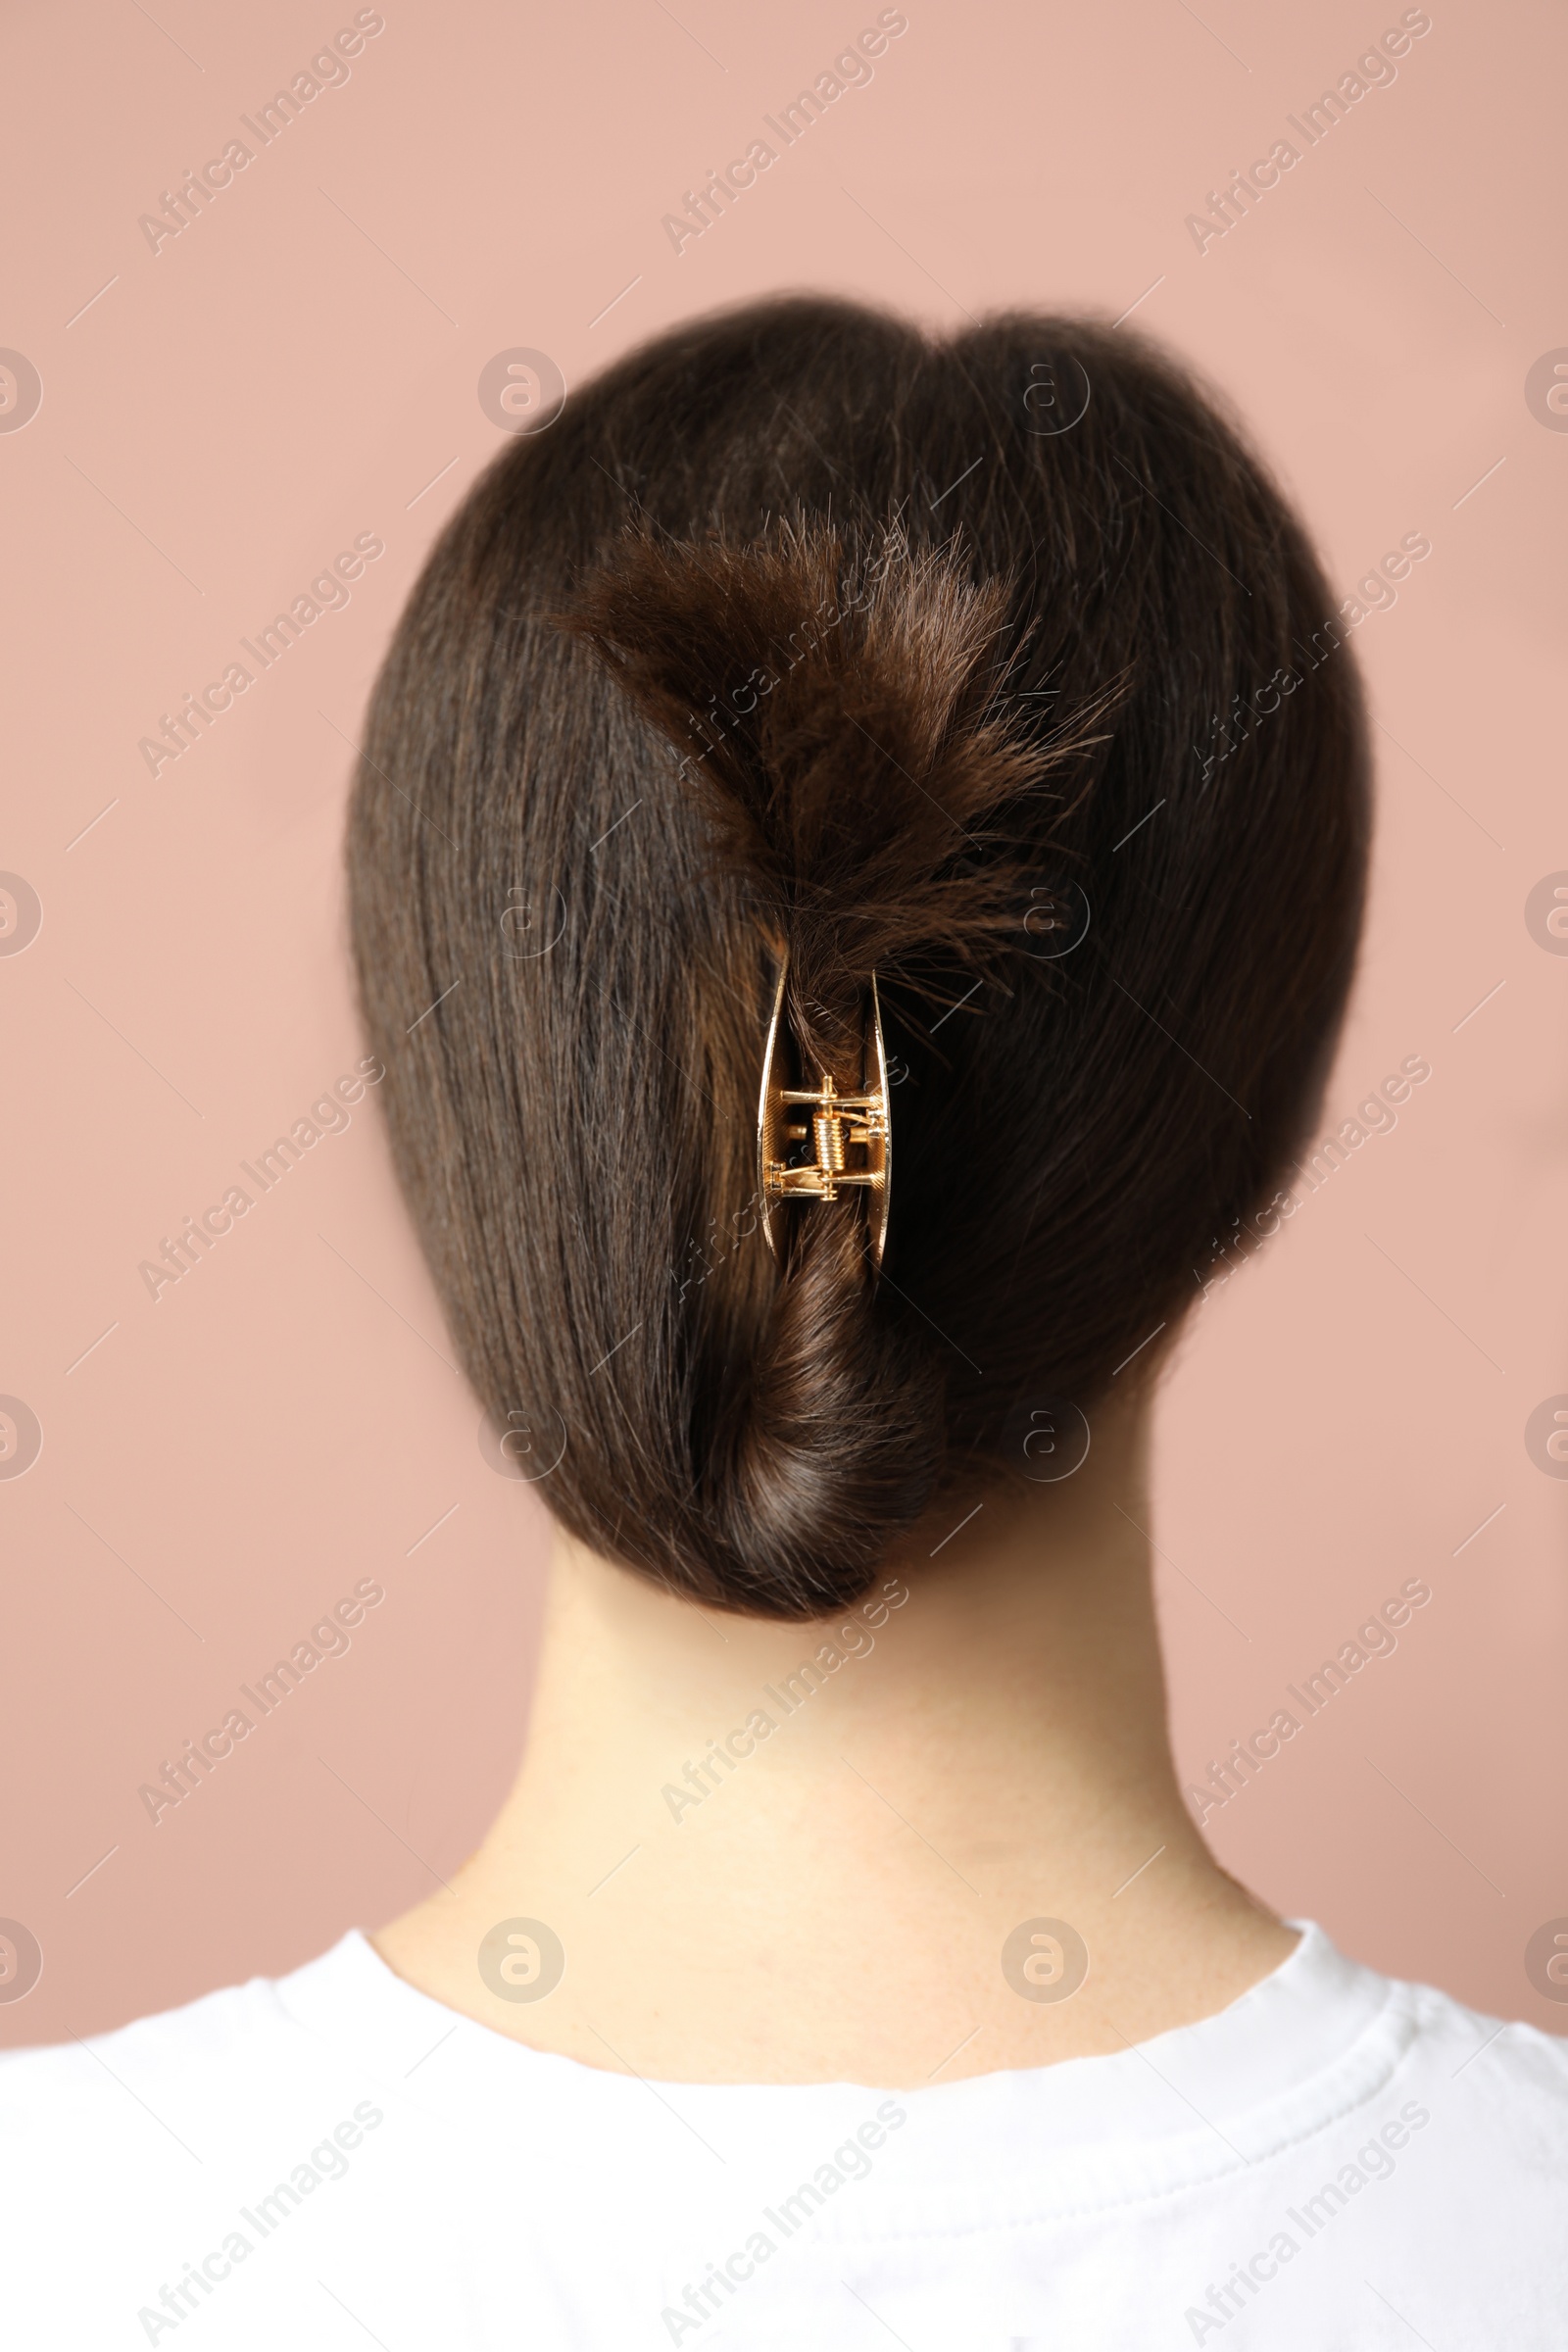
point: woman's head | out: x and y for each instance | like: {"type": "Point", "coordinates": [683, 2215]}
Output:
{"type": "Point", "coordinates": [993, 665]}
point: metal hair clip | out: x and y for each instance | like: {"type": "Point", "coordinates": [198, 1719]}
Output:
{"type": "Point", "coordinates": [840, 1125]}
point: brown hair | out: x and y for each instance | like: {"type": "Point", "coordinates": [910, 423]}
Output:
{"type": "Point", "coordinates": [802, 630]}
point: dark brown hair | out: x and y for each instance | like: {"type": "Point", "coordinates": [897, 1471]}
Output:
{"type": "Point", "coordinates": [995, 664]}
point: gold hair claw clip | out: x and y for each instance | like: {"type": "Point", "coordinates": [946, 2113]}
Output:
{"type": "Point", "coordinates": [840, 1125]}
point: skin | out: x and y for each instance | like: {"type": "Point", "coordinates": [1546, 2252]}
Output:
{"type": "Point", "coordinates": [835, 1908]}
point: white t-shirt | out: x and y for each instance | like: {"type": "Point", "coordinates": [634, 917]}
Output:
{"type": "Point", "coordinates": [334, 2160]}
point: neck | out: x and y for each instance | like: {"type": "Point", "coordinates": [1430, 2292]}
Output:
{"type": "Point", "coordinates": [788, 1852]}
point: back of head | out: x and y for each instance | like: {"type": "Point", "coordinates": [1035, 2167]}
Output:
{"type": "Point", "coordinates": [994, 667]}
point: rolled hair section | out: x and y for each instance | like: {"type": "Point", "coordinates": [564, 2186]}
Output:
{"type": "Point", "coordinates": [844, 725]}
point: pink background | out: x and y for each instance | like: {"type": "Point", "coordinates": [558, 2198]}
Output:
{"type": "Point", "coordinates": [299, 366]}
